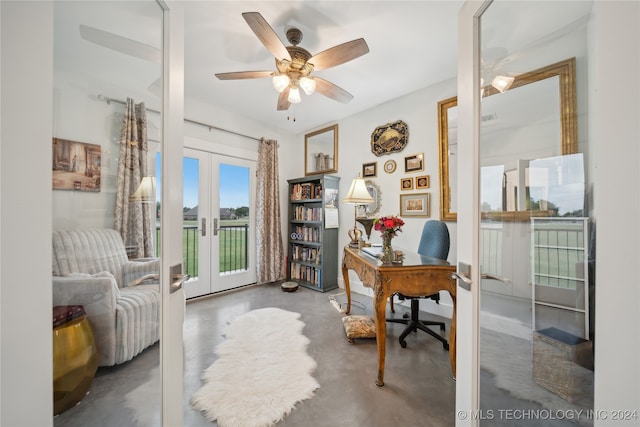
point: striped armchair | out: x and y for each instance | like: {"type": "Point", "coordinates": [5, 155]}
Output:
{"type": "Point", "coordinates": [91, 268]}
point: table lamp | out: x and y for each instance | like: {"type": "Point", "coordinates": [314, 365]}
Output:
{"type": "Point", "coordinates": [357, 195]}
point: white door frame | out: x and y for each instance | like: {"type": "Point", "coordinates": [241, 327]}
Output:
{"type": "Point", "coordinates": [468, 178]}
{"type": "Point", "coordinates": [173, 303]}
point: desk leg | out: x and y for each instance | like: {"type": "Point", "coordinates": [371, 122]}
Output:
{"type": "Point", "coordinates": [380, 307]}
{"type": "Point", "coordinates": [347, 287]}
{"type": "Point", "coordinates": [452, 339]}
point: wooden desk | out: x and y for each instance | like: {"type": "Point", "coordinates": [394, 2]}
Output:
{"type": "Point", "coordinates": [416, 276]}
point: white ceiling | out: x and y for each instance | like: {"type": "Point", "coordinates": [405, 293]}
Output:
{"type": "Point", "coordinates": [413, 44]}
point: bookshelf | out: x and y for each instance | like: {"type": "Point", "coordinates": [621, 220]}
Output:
{"type": "Point", "coordinates": [312, 259]}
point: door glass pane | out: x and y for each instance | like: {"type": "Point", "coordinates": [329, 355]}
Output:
{"type": "Point", "coordinates": [190, 234]}
{"type": "Point", "coordinates": [106, 333]}
{"type": "Point", "coordinates": [536, 342]}
{"type": "Point", "coordinates": [234, 208]}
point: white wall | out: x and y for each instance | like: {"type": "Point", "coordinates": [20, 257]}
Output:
{"type": "Point", "coordinates": [616, 134]}
{"type": "Point", "coordinates": [26, 388]}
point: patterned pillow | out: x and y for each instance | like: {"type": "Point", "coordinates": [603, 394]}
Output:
{"type": "Point", "coordinates": [358, 326]}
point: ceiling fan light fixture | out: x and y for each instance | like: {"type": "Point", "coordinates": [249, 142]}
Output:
{"type": "Point", "coordinates": [280, 82]}
{"type": "Point", "coordinates": [502, 83]}
{"type": "Point", "coordinates": [308, 85]}
{"type": "Point", "coordinates": [294, 95]}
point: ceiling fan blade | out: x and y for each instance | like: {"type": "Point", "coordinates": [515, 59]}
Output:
{"type": "Point", "coordinates": [340, 54]}
{"type": "Point", "coordinates": [121, 44]}
{"type": "Point", "coordinates": [283, 102]}
{"type": "Point", "coordinates": [332, 91]}
{"type": "Point", "coordinates": [239, 75]}
{"type": "Point", "coordinates": [267, 36]}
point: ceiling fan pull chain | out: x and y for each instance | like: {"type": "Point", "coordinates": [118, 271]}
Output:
{"type": "Point", "coordinates": [294, 113]}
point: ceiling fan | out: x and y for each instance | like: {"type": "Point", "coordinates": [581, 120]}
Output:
{"type": "Point", "coordinates": [294, 64]}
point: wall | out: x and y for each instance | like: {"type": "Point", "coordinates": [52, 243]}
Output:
{"type": "Point", "coordinates": [25, 249]}
{"type": "Point", "coordinates": [616, 132]}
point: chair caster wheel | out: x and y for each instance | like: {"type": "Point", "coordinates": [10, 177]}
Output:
{"type": "Point", "coordinates": [403, 344]}
{"type": "Point", "coordinates": [442, 328]}
{"type": "Point", "coordinates": [446, 346]}
{"type": "Point", "coordinates": [405, 316]}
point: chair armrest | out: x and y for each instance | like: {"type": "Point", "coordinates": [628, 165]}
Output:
{"type": "Point", "coordinates": [134, 272]}
{"type": "Point", "coordinates": [98, 295]}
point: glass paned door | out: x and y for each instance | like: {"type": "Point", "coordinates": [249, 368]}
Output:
{"type": "Point", "coordinates": [536, 360]}
{"type": "Point", "coordinates": [218, 222]}
{"type": "Point", "coordinates": [116, 357]}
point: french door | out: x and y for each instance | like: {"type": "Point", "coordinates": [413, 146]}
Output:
{"type": "Point", "coordinates": [524, 317]}
{"type": "Point", "coordinates": [219, 231]}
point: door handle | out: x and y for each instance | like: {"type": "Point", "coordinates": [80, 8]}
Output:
{"type": "Point", "coordinates": [203, 227]}
{"type": "Point", "coordinates": [215, 226]}
{"type": "Point", "coordinates": [463, 275]}
{"type": "Point", "coordinates": [177, 280]}
{"type": "Point", "coordinates": [491, 276]}
{"type": "Point", "coordinates": [465, 282]}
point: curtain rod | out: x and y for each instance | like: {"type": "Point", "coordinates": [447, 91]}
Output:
{"type": "Point", "coordinates": [109, 100]}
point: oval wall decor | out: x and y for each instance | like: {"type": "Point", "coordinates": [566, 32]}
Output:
{"type": "Point", "coordinates": [390, 138]}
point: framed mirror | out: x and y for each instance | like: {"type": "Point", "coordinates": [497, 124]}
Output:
{"type": "Point", "coordinates": [554, 89]}
{"type": "Point", "coordinates": [321, 151]}
{"type": "Point", "coordinates": [371, 209]}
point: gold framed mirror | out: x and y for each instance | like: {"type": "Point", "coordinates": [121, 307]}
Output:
{"type": "Point", "coordinates": [321, 151]}
{"type": "Point", "coordinates": [564, 72]}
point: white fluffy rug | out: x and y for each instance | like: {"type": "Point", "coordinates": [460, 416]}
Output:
{"type": "Point", "coordinates": [262, 371]}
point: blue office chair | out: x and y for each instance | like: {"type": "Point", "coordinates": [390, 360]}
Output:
{"type": "Point", "coordinates": [434, 243]}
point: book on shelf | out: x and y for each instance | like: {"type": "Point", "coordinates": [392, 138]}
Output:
{"type": "Point", "coordinates": [305, 191]}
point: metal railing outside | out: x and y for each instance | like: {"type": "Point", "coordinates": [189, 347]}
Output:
{"type": "Point", "coordinates": [234, 248]}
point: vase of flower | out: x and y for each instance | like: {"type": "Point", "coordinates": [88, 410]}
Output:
{"type": "Point", "coordinates": [388, 226]}
{"type": "Point", "coordinates": [387, 253]}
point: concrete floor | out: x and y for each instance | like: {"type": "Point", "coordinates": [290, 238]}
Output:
{"type": "Point", "coordinates": [419, 389]}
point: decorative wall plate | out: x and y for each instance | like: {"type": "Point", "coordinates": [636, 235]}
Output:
{"type": "Point", "coordinates": [390, 138]}
{"type": "Point", "coordinates": [390, 166]}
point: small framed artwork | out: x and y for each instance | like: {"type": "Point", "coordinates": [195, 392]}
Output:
{"type": "Point", "coordinates": [369, 169]}
{"type": "Point", "coordinates": [76, 165]}
{"type": "Point", "coordinates": [422, 182]}
{"type": "Point", "coordinates": [414, 163]}
{"type": "Point", "coordinates": [390, 166]}
{"type": "Point", "coordinates": [415, 205]}
{"type": "Point", "coordinates": [406, 184]}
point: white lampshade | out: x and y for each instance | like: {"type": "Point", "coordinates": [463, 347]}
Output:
{"type": "Point", "coordinates": [294, 95]}
{"type": "Point", "coordinates": [146, 191]}
{"type": "Point", "coordinates": [280, 82]}
{"type": "Point", "coordinates": [502, 83]}
{"type": "Point", "coordinates": [358, 193]}
{"type": "Point", "coordinates": [308, 85]}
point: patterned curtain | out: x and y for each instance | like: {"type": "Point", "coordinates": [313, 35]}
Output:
{"type": "Point", "coordinates": [268, 234]}
{"type": "Point", "coordinates": [133, 219]}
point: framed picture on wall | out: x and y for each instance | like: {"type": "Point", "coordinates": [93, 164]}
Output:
{"type": "Point", "coordinates": [369, 169]}
{"type": "Point", "coordinates": [76, 165]}
{"type": "Point", "coordinates": [414, 163]}
{"type": "Point", "coordinates": [406, 184]}
{"type": "Point", "coordinates": [422, 182]}
{"type": "Point", "coordinates": [415, 205]}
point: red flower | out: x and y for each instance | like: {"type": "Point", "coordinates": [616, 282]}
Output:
{"type": "Point", "coordinates": [388, 225]}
